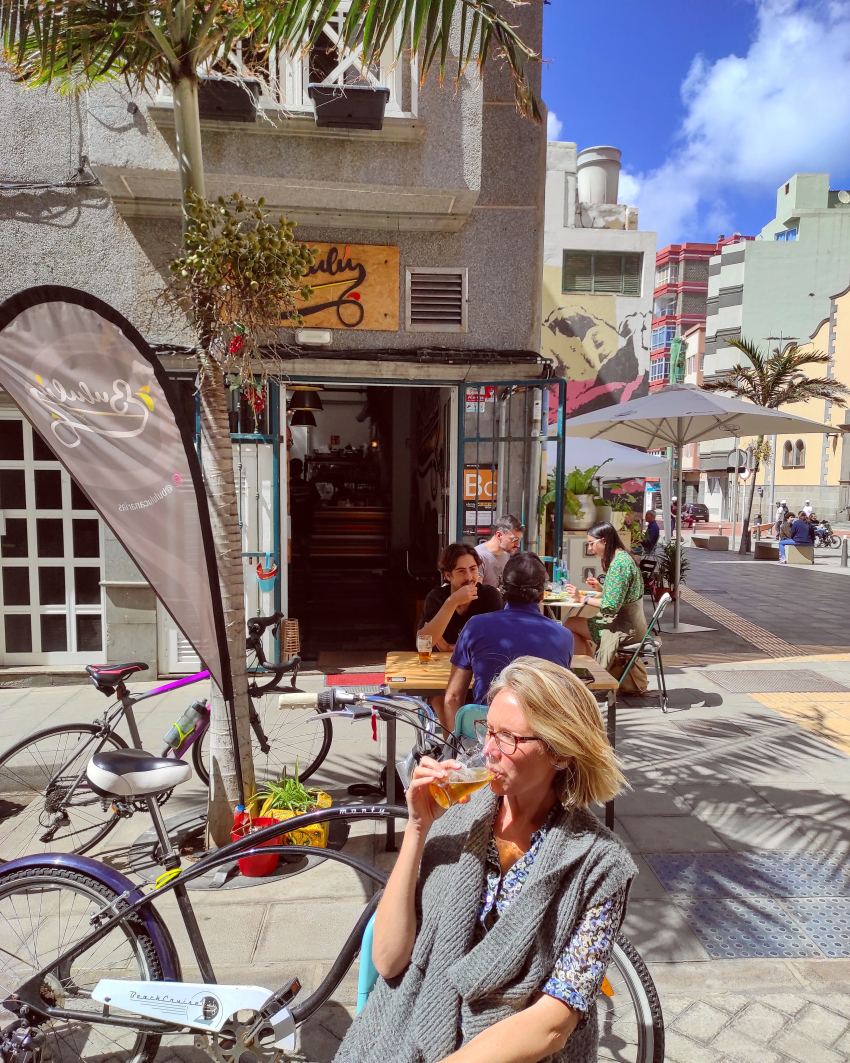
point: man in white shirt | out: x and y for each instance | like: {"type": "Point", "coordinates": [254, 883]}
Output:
{"type": "Point", "coordinates": [808, 509]}
{"type": "Point", "coordinates": [495, 553]}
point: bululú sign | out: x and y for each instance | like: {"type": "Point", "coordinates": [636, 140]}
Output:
{"type": "Point", "coordinates": [91, 386]}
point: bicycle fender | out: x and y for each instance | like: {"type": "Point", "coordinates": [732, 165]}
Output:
{"type": "Point", "coordinates": [114, 880]}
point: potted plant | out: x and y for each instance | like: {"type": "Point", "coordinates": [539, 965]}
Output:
{"type": "Point", "coordinates": [228, 99]}
{"type": "Point", "coordinates": [288, 798]}
{"type": "Point", "coordinates": [665, 570]}
{"type": "Point", "coordinates": [349, 106]}
{"type": "Point", "coordinates": [580, 498]}
{"type": "Point", "coordinates": [622, 514]}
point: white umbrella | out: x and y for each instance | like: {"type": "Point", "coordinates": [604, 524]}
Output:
{"type": "Point", "coordinates": [681, 414]}
{"type": "Point", "coordinates": [620, 463]}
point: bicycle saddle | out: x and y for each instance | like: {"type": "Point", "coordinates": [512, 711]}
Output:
{"type": "Point", "coordinates": [134, 773]}
{"type": "Point", "coordinates": [106, 677]}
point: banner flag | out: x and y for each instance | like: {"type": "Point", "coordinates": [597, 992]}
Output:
{"type": "Point", "coordinates": [87, 381]}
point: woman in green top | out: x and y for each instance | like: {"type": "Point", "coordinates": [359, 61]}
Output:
{"type": "Point", "coordinates": [621, 617]}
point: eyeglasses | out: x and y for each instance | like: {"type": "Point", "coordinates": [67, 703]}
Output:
{"type": "Point", "coordinates": [505, 740]}
{"type": "Point", "coordinates": [513, 538]}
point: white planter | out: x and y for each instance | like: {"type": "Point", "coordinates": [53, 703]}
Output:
{"type": "Point", "coordinates": [604, 513]}
{"type": "Point", "coordinates": [585, 517]}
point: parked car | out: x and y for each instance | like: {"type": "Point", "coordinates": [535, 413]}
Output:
{"type": "Point", "coordinates": [697, 511]}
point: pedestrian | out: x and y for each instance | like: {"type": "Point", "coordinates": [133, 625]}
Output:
{"type": "Point", "coordinates": [800, 533]}
{"type": "Point", "coordinates": [496, 552]}
{"type": "Point", "coordinates": [808, 509]}
{"type": "Point", "coordinates": [778, 517]}
{"type": "Point", "coordinates": [674, 509]}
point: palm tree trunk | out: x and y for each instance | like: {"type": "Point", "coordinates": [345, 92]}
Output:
{"type": "Point", "coordinates": [217, 460]}
{"type": "Point", "coordinates": [744, 546]}
{"type": "Point", "coordinates": [187, 126]}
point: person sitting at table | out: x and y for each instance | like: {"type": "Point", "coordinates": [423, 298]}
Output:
{"type": "Point", "coordinates": [496, 552]}
{"type": "Point", "coordinates": [801, 533]}
{"type": "Point", "coordinates": [653, 533]}
{"type": "Point", "coordinates": [489, 643]}
{"type": "Point", "coordinates": [448, 609]}
{"type": "Point", "coordinates": [499, 919]}
{"type": "Point", "coordinates": [621, 617]}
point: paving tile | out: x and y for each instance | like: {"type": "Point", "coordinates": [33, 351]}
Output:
{"type": "Point", "coordinates": [788, 1003]}
{"type": "Point", "coordinates": [826, 921]}
{"type": "Point", "coordinates": [661, 933]}
{"type": "Point", "coordinates": [306, 932]}
{"type": "Point", "coordinates": [821, 1025]}
{"type": "Point", "coordinates": [739, 1047]}
{"type": "Point", "coordinates": [760, 1022]}
{"type": "Point", "coordinates": [645, 885]}
{"type": "Point", "coordinates": [801, 1047]}
{"type": "Point", "coordinates": [701, 1022]}
{"type": "Point", "coordinates": [672, 834]}
{"type": "Point", "coordinates": [756, 830]}
{"type": "Point", "coordinates": [745, 927]}
{"type": "Point", "coordinates": [681, 1049]}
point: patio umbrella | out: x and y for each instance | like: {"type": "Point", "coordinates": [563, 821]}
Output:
{"type": "Point", "coordinates": [680, 414]}
{"type": "Point", "coordinates": [621, 463]}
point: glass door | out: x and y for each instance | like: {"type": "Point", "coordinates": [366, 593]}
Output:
{"type": "Point", "coordinates": [511, 450]}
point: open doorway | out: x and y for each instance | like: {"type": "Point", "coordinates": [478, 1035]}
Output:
{"type": "Point", "coordinates": [371, 496]}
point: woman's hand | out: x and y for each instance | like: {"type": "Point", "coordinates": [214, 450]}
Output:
{"type": "Point", "coordinates": [421, 805]}
{"type": "Point", "coordinates": [594, 583]}
{"type": "Point", "coordinates": [572, 592]}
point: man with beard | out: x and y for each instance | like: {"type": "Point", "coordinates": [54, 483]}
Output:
{"type": "Point", "coordinates": [461, 597]}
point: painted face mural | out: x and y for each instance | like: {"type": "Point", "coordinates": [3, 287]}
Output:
{"type": "Point", "coordinates": [605, 360]}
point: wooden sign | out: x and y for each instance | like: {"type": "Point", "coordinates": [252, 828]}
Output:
{"type": "Point", "coordinates": [355, 286]}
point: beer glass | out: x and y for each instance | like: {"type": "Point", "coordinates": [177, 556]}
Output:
{"type": "Point", "coordinates": [423, 645]}
{"type": "Point", "coordinates": [472, 774]}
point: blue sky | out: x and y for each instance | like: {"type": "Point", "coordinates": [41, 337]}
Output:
{"type": "Point", "coordinates": [714, 103]}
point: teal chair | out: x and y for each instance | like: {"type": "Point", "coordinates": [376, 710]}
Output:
{"type": "Point", "coordinates": [465, 718]}
{"type": "Point", "coordinates": [367, 975]}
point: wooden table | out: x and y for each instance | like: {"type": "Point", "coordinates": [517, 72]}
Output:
{"type": "Point", "coordinates": [573, 608]}
{"type": "Point", "coordinates": [405, 674]}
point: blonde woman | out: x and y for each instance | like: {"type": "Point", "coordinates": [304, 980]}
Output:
{"type": "Point", "coordinates": [498, 921]}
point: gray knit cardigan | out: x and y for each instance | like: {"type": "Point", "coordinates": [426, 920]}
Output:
{"type": "Point", "coordinates": [452, 984]}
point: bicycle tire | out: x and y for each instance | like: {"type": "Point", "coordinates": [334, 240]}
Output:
{"type": "Point", "coordinates": [269, 768]}
{"type": "Point", "coordinates": [127, 946]}
{"type": "Point", "coordinates": [14, 782]}
{"type": "Point", "coordinates": [834, 541]}
{"type": "Point", "coordinates": [621, 1037]}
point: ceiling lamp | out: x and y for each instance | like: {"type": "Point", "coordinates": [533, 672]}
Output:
{"type": "Point", "coordinates": [303, 419]}
{"type": "Point", "coordinates": [305, 399]}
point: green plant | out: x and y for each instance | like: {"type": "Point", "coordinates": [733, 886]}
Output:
{"type": "Point", "coordinates": [665, 571]}
{"type": "Point", "coordinates": [622, 503]}
{"type": "Point", "coordinates": [287, 795]}
{"type": "Point", "coordinates": [578, 482]}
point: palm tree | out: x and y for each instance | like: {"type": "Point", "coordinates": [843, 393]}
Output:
{"type": "Point", "coordinates": [775, 380]}
{"type": "Point", "coordinates": [72, 44]}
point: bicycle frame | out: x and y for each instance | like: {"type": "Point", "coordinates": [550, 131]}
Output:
{"type": "Point", "coordinates": [132, 903]}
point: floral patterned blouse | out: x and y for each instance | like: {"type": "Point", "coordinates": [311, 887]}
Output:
{"type": "Point", "coordinates": [580, 969]}
{"type": "Point", "coordinates": [623, 584]}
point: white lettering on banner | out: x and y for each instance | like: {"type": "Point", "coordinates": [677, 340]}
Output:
{"type": "Point", "coordinates": [147, 501]}
{"type": "Point", "coordinates": [123, 403]}
{"type": "Point", "coordinates": [475, 399]}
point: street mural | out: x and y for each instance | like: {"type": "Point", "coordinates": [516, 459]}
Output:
{"type": "Point", "coordinates": [605, 361]}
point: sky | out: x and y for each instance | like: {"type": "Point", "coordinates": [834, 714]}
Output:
{"type": "Point", "coordinates": [713, 103]}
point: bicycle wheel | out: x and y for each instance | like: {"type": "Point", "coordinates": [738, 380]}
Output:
{"type": "Point", "coordinates": [289, 738]}
{"type": "Point", "coordinates": [834, 541]}
{"type": "Point", "coordinates": [631, 1027]}
{"type": "Point", "coordinates": [39, 812]}
{"type": "Point", "coordinates": [42, 913]}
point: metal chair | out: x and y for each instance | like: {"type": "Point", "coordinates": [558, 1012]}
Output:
{"type": "Point", "coordinates": [649, 646]}
{"type": "Point", "coordinates": [648, 566]}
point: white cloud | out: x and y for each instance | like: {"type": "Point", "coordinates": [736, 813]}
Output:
{"type": "Point", "coordinates": [753, 121]}
{"type": "Point", "coordinates": [629, 190]}
{"type": "Point", "coordinates": [553, 126]}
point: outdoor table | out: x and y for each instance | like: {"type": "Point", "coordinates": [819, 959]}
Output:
{"type": "Point", "coordinates": [406, 674]}
{"type": "Point", "coordinates": [571, 607]}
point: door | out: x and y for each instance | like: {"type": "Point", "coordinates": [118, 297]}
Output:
{"type": "Point", "coordinates": [51, 552]}
{"type": "Point", "coordinates": [511, 450]}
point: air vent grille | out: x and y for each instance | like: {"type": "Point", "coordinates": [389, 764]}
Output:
{"type": "Point", "coordinates": [436, 300]}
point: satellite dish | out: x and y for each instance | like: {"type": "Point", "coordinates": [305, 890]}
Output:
{"type": "Point", "coordinates": [844, 197]}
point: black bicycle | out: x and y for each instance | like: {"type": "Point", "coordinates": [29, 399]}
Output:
{"type": "Point", "coordinates": [45, 800]}
{"type": "Point", "coordinates": [89, 970]}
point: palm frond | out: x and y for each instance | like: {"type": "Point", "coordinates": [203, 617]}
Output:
{"type": "Point", "coordinates": [777, 379]}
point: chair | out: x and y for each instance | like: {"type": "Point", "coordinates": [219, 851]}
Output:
{"type": "Point", "coordinates": [367, 974]}
{"type": "Point", "coordinates": [647, 566]}
{"type": "Point", "coordinates": [649, 646]}
{"type": "Point", "coordinates": [465, 718]}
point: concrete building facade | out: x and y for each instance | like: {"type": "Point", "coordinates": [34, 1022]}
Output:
{"type": "Point", "coordinates": [445, 207]}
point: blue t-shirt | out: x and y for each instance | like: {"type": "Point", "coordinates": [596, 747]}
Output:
{"type": "Point", "coordinates": [653, 533]}
{"type": "Point", "coordinates": [488, 643]}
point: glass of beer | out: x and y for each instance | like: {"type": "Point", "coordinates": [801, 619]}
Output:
{"type": "Point", "coordinates": [472, 774]}
{"type": "Point", "coordinates": [423, 645]}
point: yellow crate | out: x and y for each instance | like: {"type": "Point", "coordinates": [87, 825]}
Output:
{"type": "Point", "coordinates": [315, 835]}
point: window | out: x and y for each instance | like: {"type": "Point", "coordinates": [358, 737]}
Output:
{"type": "Point", "coordinates": [794, 454]}
{"type": "Point", "coordinates": [601, 272]}
{"type": "Point", "coordinates": [436, 299]}
{"type": "Point", "coordinates": [786, 234]}
{"type": "Point", "coordinates": [692, 364]}
{"type": "Point", "coordinates": [666, 274]}
{"type": "Point", "coordinates": [659, 369]}
{"type": "Point", "coordinates": [662, 336]}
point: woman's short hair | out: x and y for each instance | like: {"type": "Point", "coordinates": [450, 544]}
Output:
{"type": "Point", "coordinates": [453, 553]}
{"type": "Point", "coordinates": [524, 579]}
{"type": "Point", "coordinates": [563, 712]}
{"type": "Point", "coordinates": [611, 537]}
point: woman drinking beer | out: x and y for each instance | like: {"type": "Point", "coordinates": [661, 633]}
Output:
{"type": "Point", "coordinates": [498, 921]}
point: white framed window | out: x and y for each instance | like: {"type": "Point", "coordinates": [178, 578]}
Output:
{"type": "Point", "coordinates": [659, 369]}
{"type": "Point", "coordinates": [51, 554]}
{"type": "Point", "coordinates": [436, 299]}
{"type": "Point", "coordinates": [662, 336]}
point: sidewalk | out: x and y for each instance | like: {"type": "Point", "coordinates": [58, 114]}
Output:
{"type": "Point", "coordinates": [738, 817]}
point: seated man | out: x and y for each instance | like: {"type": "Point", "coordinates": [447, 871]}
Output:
{"type": "Point", "coordinates": [653, 533]}
{"type": "Point", "coordinates": [488, 643]}
{"type": "Point", "coordinates": [460, 598]}
{"type": "Point", "coordinates": [496, 552]}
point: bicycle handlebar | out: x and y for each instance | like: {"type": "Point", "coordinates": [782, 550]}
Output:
{"type": "Point", "coordinates": [259, 624]}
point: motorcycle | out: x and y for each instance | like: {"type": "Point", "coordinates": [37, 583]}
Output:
{"type": "Point", "coordinates": [824, 535]}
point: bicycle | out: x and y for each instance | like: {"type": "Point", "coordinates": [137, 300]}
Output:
{"type": "Point", "coordinates": [89, 968]}
{"type": "Point", "coordinates": [42, 777]}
